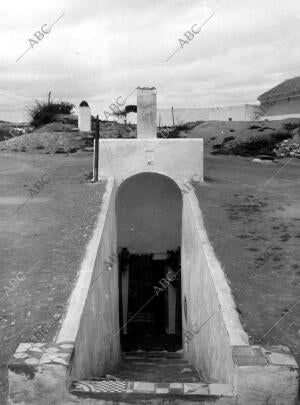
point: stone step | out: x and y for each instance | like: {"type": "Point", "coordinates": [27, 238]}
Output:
{"type": "Point", "coordinates": [164, 362]}
{"type": "Point", "coordinates": [155, 360]}
{"type": "Point", "coordinates": [122, 391]}
{"type": "Point", "coordinates": [155, 367]}
{"type": "Point", "coordinates": [154, 373]}
{"type": "Point", "coordinates": [158, 354]}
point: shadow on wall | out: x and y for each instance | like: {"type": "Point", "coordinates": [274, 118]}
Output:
{"type": "Point", "coordinates": [149, 209]}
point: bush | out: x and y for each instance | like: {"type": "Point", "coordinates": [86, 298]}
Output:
{"type": "Point", "coordinates": [254, 127]}
{"type": "Point", "coordinates": [228, 138]}
{"type": "Point", "coordinates": [43, 112]}
{"type": "Point", "coordinates": [291, 125]}
{"type": "Point", "coordinates": [261, 145]}
{"type": "Point", "coordinates": [258, 145]}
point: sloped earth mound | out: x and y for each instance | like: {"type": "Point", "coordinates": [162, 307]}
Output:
{"type": "Point", "coordinates": [111, 129]}
{"type": "Point", "coordinates": [47, 142]}
{"type": "Point", "coordinates": [245, 138]}
{"type": "Point", "coordinates": [177, 131]}
{"type": "Point", "coordinates": [63, 137]}
{"type": "Point", "coordinates": [255, 145]}
{"type": "Point", "coordinates": [7, 129]}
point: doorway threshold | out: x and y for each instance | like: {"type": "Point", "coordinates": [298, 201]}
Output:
{"type": "Point", "coordinates": [151, 375]}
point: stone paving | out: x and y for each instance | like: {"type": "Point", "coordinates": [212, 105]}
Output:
{"type": "Point", "coordinates": [155, 376]}
{"type": "Point", "coordinates": [150, 388]}
{"type": "Point", "coordinates": [35, 354]}
{"type": "Point", "coordinates": [149, 374]}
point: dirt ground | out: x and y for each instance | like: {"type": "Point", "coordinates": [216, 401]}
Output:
{"type": "Point", "coordinates": [252, 215]}
{"type": "Point", "coordinates": [42, 242]}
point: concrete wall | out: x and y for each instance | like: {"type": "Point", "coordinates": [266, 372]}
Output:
{"type": "Point", "coordinates": [92, 319]}
{"type": "Point", "coordinates": [242, 112]}
{"type": "Point", "coordinates": [280, 109]}
{"type": "Point", "coordinates": [210, 307]}
{"type": "Point", "coordinates": [179, 159]}
{"type": "Point", "coordinates": [149, 209]}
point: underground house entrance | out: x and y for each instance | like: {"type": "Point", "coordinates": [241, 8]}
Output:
{"type": "Point", "coordinates": [149, 209]}
{"type": "Point", "coordinates": [152, 364]}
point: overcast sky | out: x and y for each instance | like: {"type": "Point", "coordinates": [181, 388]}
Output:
{"type": "Point", "coordinates": [102, 49]}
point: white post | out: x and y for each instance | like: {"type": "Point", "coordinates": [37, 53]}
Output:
{"type": "Point", "coordinates": [84, 117]}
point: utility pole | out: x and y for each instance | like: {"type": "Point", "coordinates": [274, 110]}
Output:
{"type": "Point", "coordinates": [96, 150]}
{"type": "Point", "coordinates": [49, 95]}
{"type": "Point", "coordinates": [173, 116]}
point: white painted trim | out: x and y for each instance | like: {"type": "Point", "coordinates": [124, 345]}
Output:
{"type": "Point", "coordinates": [77, 300]}
{"type": "Point", "coordinates": [279, 117]}
{"type": "Point", "coordinates": [237, 335]}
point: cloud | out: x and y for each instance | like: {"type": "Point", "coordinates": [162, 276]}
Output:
{"type": "Point", "coordinates": [101, 50]}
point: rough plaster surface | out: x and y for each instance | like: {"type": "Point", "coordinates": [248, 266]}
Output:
{"type": "Point", "coordinates": [92, 319]}
{"type": "Point", "coordinates": [179, 159]}
{"type": "Point", "coordinates": [97, 346]}
{"type": "Point", "coordinates": [146, 112]}
{"type": "Point", "coordinates": [210, 306]}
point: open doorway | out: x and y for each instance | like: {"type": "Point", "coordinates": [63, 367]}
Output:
{"type": "Point", "coordinates": [149, 208]}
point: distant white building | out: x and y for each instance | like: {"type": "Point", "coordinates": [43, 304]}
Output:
{"type": "Point", "coordinates": [282, 101]}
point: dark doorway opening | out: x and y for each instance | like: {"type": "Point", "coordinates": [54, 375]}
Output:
{"type": "Point", "coordinates": [149, 215]}
{"type": "Point", "coordinates": [150, 301]}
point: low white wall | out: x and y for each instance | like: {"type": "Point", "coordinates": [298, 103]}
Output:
{"type": "Point", "coordinates": [240, 112]}
{"type": "Point", "coordinates": [210, 307]}
{"type": "Point", "coordinates": [92, 317]}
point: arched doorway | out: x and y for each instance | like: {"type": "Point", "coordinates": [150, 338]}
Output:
{"type": "Point", "coordinates": [149, 211]}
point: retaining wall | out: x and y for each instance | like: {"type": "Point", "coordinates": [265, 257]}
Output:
{"type": "Point", "coordinates": [92, 319]}
{"type": "Point", "coordinates": [211, 314]}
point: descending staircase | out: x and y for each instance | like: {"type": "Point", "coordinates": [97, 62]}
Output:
{"type": "Point", "coordinates": [151, 376]}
